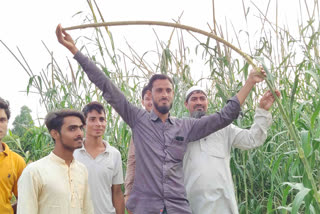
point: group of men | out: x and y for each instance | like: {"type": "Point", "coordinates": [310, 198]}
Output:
{"type": "Point", "coordinates": [175, 166]}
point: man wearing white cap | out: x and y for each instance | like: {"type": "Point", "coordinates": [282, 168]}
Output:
{"type": "Point", "coordinates": [206, 164]}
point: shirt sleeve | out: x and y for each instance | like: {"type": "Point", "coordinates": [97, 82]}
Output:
{"type": "Point", "coordinates": [87, 202]}
{"type": "Point", "coordinates": [28, 190]}
{"type": "Point", "coordinates": [118, 172]}
{"type": "Point", "coordinates": [131, 166]}
{"type": "Point", "coordinates": [129, 113]}
{"type": "Point", "coordinates": [20, 165]}
{"type": "Point", "coordinates": [208, 124]}
{"type": "Point", "coordinates": [256, 135]}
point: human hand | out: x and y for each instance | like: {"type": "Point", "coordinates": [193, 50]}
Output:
{"type": "Point", "coordinates": [268, 99]}
{"type": "Point", "coordinates": [66, 40]}
{"type": "Point", "coordinates": [256, 77]}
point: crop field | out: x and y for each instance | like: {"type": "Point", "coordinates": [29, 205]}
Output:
{"type": "Point", "coordinates": [283, 175]}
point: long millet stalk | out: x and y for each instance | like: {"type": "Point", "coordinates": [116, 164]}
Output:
{"type": "Point", "coordinates": [291, 129]}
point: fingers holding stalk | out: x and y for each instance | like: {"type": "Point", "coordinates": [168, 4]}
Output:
{"type": "Point", "coordinates": [66, 40]}
{"type": "Point", "coordinates": [268, 99]}
{"type": "Point", "coordinates": [257, 75]}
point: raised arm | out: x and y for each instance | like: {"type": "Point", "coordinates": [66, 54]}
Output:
{"type": "Point", "coordinates": [214, 122]}
{"type": "Point", "coordinates": [129, 113]}
{"type": "Point", "coordinates": [66, 40]}
{"type": "Point", "coordinates": [254, 77]}
{"type": "Point", "coordinates": [257, 134]}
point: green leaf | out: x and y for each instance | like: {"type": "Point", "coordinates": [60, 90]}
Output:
{"type": "Point", "coordinates": [315, 77]}
{"type": "Point", "coordinates": [306, 143]}
{"type": "Point", "coordinates": [299, 199]}
{"type": "Point", "coordinates": [315, 115]}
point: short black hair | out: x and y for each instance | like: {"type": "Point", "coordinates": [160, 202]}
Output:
{"type": "Point", "coordinates": [144, 90]}
{"type": "Point", "coordinates": [5, 105]}
{"type": "Point", "coordinates": [93, 106]}
{"type": "Point", "coordinates": [54, 120]}
{"type": "Point", "coordinates": [159, 77]}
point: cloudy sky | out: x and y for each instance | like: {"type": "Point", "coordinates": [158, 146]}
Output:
{"type": "Point", "coordinates": [25, 24]}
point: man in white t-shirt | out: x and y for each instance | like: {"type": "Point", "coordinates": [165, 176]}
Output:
{"type": "Point", "coordinates": [103, 162]}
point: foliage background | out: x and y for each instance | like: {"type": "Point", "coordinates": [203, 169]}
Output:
{"type": "Point", "coordinates": [270, 179]}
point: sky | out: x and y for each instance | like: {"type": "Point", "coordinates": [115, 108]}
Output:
{"type": "Point", "coordinates": [26, 24]}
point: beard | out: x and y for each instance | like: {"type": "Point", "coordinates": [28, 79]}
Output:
{"type": "Point", "coordinates": [162, 109]}
{"type": "Point", "coordinates": [68, 147]}
{"type": "Point", "coordinates": [198, 114]}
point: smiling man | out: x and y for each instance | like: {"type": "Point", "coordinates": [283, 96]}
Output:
{"type": "Point", "coordinates": [206, 164]}
{"type": "Point", "coordinates": [160, 140]}
{"type": "Point", "coordinates": [57, 183]}
{"type": "Point", "coordinates": [103, 162]}
{"type": "Point", "coordinates": [11, 164]}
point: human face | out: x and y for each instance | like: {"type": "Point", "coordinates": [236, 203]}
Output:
{"type": "Point", "coordinates": [147, 101]}
{"type": "Point", "coordinates": [197, 103]}
{"type": "Point", "coordinates": [71, 133]}
{"type": "Point", "coordinates": [95, 124]}
{"type": "Point", "coordinates": [3, 124]}
{"type": "Point", "coordinates": [162, 95]}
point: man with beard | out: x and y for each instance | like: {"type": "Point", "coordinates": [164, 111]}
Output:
{"type": "Point", "coordinates": [206, 163]}
{"type": "Point", "coordinates": [57, 183]}
{"type": "Point", "coordinates": [160, 140]}
{"type": "Point", "coordinates": [11, 164]}
{"type": "Point", "coordinates": [103, 163]}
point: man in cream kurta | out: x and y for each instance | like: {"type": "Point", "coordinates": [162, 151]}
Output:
{"type": "Point", "coordinates": [57, 183]}
{"type": "Point", "coordinates": [51, 186]}
{"type": "Point", "coordinates": [206, 163]}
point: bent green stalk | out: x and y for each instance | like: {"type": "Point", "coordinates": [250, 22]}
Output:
{"type": "Point", "coordinates": [291, 128]}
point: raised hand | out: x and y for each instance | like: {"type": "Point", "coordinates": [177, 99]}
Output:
{"type": "Point", "coordinates": [256, 77]}
{"type": "Point", "coordinates": [66, 40]}
{"type": "Point", "coordinates": [268, 99]}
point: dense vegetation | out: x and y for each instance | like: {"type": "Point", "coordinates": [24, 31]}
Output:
{"type": "Point", "coordinates": [270, 179]}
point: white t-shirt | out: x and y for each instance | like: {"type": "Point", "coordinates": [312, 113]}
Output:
{"type": "Point", "coordinates": [104, 171]}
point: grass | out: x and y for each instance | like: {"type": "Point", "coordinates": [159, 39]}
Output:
{"type": "Point", "coordinates": [283, 175]}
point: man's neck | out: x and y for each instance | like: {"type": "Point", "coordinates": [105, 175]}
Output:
{"type": "Point", "coordinates": [163, 117]}
{"type": "Point", "coordinates": [94, 146]}
{"type": "Point", "coordinates": [93, 142]}
{"type": "Point", "coordinates": [64, 154]}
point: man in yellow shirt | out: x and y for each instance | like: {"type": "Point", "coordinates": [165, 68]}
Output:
{"type": "Point", "coordinates": [57, 183]}
{"type": "Point", "coordinates": [11, 164]}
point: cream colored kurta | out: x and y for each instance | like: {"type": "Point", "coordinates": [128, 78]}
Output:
{"type": "Point", "coordinates": [206, 165]}
{"type": "Point", "coordinates": [50, 186]}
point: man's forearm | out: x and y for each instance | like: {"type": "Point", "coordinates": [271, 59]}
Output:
{"type": "Point", "coordinates": [111, 92]}
{"type": "Point", "coordinates": [244, 91]}
{"type": "Point", "coordinates": [118, 203]}
{"type": "Point", "coordinates": [247, 139]}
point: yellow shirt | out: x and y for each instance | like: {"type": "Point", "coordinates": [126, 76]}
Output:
{"type": "Point", "coordinates": [11, 166]}
{"type": "Point", "coordinates": [50, 186]}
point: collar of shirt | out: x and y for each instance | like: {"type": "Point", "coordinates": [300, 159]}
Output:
{"type": "Point", "coordinates": [6, 149]}
{"type": "Point", "coordinates": [107, 150]}
{"type": "Point", "coordinates": [59, 160]}
{"type": "Point", "coordinates": [155, 117]}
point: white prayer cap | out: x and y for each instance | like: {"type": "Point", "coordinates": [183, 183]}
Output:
{"type": "Point", "coordinates": [193, 89]}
